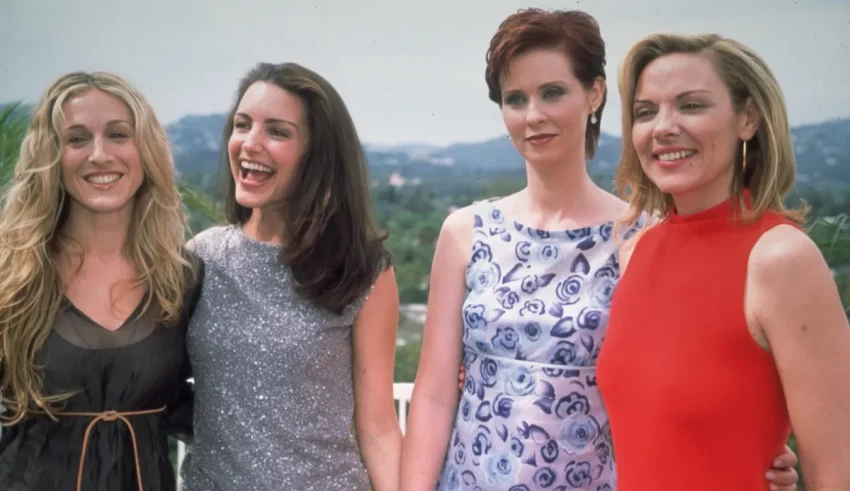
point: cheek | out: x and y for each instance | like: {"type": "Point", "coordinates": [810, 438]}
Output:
{"type": "Point", "coordinates": [286, 154]}
{"type": "Point", "coordinates": [569, 114]}
{"type": "Point", "coordinates": [69, 162]}
{"type": "Point", "coordinates": [514, 121]}
{"type": "Point", "coordinates": [716, 145]}
{"type": "Point", "coordinates": [234, 146]}
{"type": "Point", "coordinates": [642, 140]}
{"type": "Point", "coordinates": [132, 156]}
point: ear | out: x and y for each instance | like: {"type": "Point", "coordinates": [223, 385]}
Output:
{"type": "Point", "coordinates": [596, 93]}
{"type": "Point", "coordinates": [749, 121]}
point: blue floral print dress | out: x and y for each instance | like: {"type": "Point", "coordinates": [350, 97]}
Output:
{"type": "Point", "coordinates": [534, 317]}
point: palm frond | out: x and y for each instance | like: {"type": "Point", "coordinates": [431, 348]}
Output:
{"type": "Point", "coordinates": [832, 236]}
{"type": "Point", "coordinates": [14, 121]}
{"type": "Point", "coordinates": [197, 202]}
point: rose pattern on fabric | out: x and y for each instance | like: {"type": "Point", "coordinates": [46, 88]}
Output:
{"type": "Point", "coordinates": [535, 314]}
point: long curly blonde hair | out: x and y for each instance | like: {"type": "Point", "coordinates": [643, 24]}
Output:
{"type": "Point", "coordinates": [34, 208]}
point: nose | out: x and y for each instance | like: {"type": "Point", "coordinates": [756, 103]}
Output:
{"type": "Point", "coordinates": [99, 152]}
{"type": "Point", "coordinates": [533, 114]}
{"type": "Point", "coordinates": [252, 140]}
{"type": "Point", "coordinates": [666, 125]}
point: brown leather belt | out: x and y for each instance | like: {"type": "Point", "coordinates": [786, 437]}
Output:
{"type": "Point", "coordinates": [111, 416]}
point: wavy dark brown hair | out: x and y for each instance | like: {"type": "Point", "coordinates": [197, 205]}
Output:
{"type": "Point", "coordinates": [333, 246]}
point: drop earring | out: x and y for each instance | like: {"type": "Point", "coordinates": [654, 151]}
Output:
{"type": "Point", "coordinates": [593, 119]}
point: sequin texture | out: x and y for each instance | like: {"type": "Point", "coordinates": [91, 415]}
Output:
{"type": "Point", "coordinates": [273, 378]}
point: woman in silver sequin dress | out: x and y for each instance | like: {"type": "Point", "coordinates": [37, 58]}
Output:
{"type": "Point", "coordinates": [294, 334]}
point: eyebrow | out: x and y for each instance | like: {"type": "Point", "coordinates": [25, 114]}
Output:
{"type": "Point", "coordinates": [544, 84]}
{"type": "Point", "coordinates": [268, 120]}
{"type": "Point", "coordinates": [683, 94]}
{"type": "Point", "coordinates": [108, 123]}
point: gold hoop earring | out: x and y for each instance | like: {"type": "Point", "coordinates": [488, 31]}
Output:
{"type": "Point", "coordinates": [744, 157]}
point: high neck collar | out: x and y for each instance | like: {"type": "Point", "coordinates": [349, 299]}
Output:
{"type": "Point", "coordinates": [721, 212]}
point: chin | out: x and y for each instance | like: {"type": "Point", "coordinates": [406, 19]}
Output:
{"type": "Point", "coordinates": [543, 160]}
{"type": "Point", "coordinates": [249, 200]}
{"type": "Point", "coordinates": [106, 207]}
{"type": "Point", "coordinates": [674, 188]}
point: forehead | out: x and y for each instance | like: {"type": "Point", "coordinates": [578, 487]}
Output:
{"type": "Point", "coordinates": [674, 74]}
{"type": "Point", "coordinates": [94, 107]}
{"type": "Point", "coordinates": [266, 100]}
{"type": "Point", "coordinates": [536, 67]}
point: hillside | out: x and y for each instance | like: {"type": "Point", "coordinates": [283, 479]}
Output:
{"type": "Point", "coordinates": [822, 151]}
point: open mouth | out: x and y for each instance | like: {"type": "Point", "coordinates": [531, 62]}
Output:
{"type": "Point", "coordinates": [252, 171]}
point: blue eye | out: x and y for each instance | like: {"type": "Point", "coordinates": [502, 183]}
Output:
{"type": "Point", "coordinates": [553, 93]}
{"type": "Point", "coordinates": [514, 99]}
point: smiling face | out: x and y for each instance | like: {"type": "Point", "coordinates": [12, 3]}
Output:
{"type": "Point", "coordinates": [545, 107]}
{"type": "Point", "coordinates": [686, 128]}
{"type": "Point", "coordinates": [101, 167]}
{"type": "Point", "coordinates": [269, 138]}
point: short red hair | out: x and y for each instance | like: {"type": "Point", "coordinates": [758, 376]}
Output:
{"type": "Point", "coordinates": [575, 32]}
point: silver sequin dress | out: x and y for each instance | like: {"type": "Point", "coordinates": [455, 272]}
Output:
{"type": "Point", "coordinates": [273, 378]}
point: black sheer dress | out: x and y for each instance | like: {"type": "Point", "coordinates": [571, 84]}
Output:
{"type": "Point", "coordinates": [141, 367]}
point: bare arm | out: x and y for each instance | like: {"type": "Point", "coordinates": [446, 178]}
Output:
{"type": "Point", "coordinates": [375, 420]}
{"type": "Point", "coordinates": [793, 301]}
{"type": "Point", "coordinates": [435, 395]}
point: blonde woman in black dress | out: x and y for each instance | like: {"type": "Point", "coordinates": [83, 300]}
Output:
{"type": "Point", "coordinates": [95, 295]}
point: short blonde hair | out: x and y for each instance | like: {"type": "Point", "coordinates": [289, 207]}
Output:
{"type": "Point", "coordinates": [770, 169]}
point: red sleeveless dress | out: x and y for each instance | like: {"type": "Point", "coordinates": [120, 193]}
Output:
{"type": "Point", "coordinates": [694, 402]}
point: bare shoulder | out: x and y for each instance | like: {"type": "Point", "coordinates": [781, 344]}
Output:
{"type": "Point", "coordinates": [613, 205]}
{"type": "Point", "coordinates": [458, 225]}
{"type": "Point", "coordinates": [789, 283]}
{"type": "Point", "coordinates": [786, 254]}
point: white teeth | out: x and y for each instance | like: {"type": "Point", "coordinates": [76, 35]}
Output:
{"type": "Point", "coordinates": [255, 167]}
{"type": "Point", "coordinates": [103, 178]}
{"type": "Point", "coordinates": [676, 155]}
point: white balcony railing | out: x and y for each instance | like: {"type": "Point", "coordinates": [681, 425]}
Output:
{"type": "Point", "coordinates": [401, 393]}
